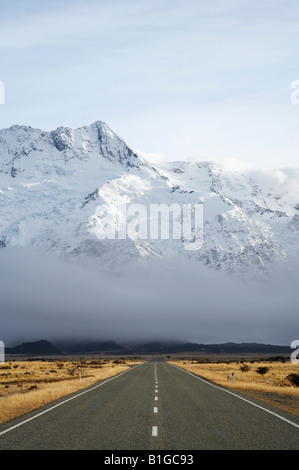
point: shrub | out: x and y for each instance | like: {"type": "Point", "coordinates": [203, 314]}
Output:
{"type": "Point", "coordinates": [262, 370]}
{"type": "Point", "coordinates": [245, 368]}
{"type": "Point", "coordinates": [294, 379]}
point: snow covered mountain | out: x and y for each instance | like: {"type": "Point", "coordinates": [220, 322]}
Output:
{"type": "Point", "coordinates": [52, 185]}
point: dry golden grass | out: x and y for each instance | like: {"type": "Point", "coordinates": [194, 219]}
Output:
{"type": "Point", "coordinates": [27, 385]}
{"type": "Point", "coordinates": [272, 387]}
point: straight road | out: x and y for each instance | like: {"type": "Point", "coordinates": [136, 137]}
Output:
{"type": "Point", "coordinates": [155, 406]}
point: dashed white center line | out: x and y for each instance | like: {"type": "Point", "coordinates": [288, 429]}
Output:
{"type": "Point", "coordinates": [155, 428]}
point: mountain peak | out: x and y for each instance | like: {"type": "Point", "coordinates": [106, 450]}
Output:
{"type": "Point", "coordinates": [51, 184]}
{"type": "Point", "coordinates": [27, 151]}
{"type": "Point", "coordinates": [100, 125]}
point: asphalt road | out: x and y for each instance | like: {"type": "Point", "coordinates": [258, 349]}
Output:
{"type": "Point", "coordinates": [155, 406]}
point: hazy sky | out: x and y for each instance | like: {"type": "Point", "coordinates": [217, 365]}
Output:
{"type": "Point", "coordinates": [184, 79]}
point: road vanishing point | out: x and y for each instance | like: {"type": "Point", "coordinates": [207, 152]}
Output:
{"type": "Point", "coordinates": [153, 406]}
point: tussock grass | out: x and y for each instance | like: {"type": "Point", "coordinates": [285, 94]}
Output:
{"type": "Point", "coordinates": [27, 385]}
{"type": "Point", "coordinates": [266, 380]}
{"type": "Point", "coordinates": [275, 378]}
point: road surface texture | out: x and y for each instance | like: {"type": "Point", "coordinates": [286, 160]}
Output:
{"type": "Point", "coordinates": [154, 406]}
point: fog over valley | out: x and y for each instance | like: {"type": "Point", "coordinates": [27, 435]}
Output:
{"type": "Point", "coordinates": [43, 298]}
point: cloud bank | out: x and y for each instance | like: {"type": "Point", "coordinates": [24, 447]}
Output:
{"type": "Point", "coordinates": [50, 299]}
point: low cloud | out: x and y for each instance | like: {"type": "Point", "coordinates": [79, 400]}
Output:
{"type": "Point", "coordinates": [55, 300]}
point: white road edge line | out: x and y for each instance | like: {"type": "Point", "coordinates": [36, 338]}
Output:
{"type": "Point", "coordinates": [240, 398]}
{"type": "Point", "coordinates": [65, 401]}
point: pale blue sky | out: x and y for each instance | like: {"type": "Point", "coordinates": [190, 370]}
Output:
{"type": "Point", "coordinates": [181, 78]}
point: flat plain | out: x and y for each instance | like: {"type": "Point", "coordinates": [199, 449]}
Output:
{"type": "Point", "coordinates": [27, 384]}
{"type": "Point", "coordinates": [271, 381]}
